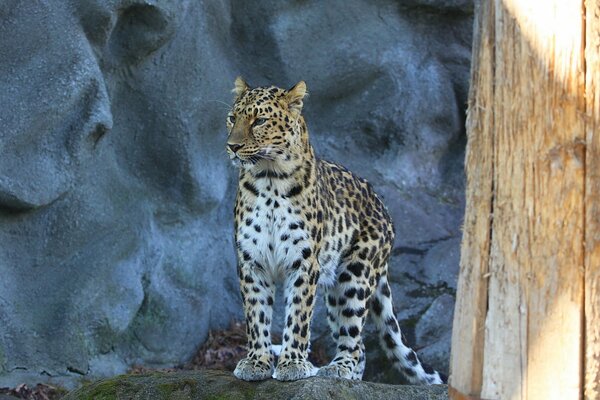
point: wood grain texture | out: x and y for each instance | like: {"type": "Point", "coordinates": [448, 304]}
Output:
{"type": "Point", "coordinates": [535, 308]}
{"type": "Point", "coordinates": [466, 364]}
{"type": "Point", "coordinates": [592, 240]}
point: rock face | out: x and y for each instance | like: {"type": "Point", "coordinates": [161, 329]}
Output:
{"type": "Point", "coordinates": [116, 194]}
{"type": "Point", "coordinates": [207, 384]}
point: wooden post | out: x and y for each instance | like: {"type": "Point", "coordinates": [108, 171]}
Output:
{"type": "Point", "coordinates": [527, 318]}
{"type": "Point", "coordinates": [471, 301]}
{"type": "Point", "coordinates": [592, 218]}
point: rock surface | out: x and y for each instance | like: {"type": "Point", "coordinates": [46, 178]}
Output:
{"type": "Point", "coordinates": [116, 194]}
{"type": "Point", "coordinates": [209, 384]}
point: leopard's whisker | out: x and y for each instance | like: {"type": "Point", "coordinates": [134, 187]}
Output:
{"type": "Point", "coordinates": [219, 101]}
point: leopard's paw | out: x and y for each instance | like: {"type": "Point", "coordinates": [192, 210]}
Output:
{"type": "Point", "coordinates": [336, 371]}
{"type": "Point", "coordinates": [251, 369]}
{"type": "Point", "coordinates": [292, 370]}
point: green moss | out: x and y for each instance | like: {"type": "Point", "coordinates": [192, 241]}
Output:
{"type": "Point", "coordinates": [250, 392]}
{"type": "Point", "coordinates": [183, 389]}
{"type": "Point", "coordinates": [226, 396]}
{"type": "Point", "coordinates": [219, 385]}
{"type": "Point", "coordinates": [103, 390]}
{"type": "Point", "coordinates": [235, 390]}
{"type": "Point", "coordinates": [160, 386]}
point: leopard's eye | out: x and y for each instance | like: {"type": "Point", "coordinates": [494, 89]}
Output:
{"type": "Point", "coordinates": [231, 119]}
{"type": "Point", "coordinates": [259, 121]}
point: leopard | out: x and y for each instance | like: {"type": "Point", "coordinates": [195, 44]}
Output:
{"type": "Point", "coordinates": [300, 222]}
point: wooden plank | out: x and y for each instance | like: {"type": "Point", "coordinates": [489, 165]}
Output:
{"type": "Point", "coordinates": [555, 291]}
{"type": "Point", "coordinates": [535, 309]}
{"type": "Point", "coordinates": [504, 340]}
{"type": "Point", "coordinates": [466, 362]}
{"type": "Point", "coordinates": [592, 240]}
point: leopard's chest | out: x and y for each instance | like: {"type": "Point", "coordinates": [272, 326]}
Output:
{"type": "Point", "coordinates": [272, 233]}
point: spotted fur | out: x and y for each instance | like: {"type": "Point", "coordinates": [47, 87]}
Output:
{"type": "Point", "coordinates": [303, 221]}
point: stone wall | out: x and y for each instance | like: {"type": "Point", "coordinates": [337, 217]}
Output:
{"type": "Point", "coordinates": [115, 189]}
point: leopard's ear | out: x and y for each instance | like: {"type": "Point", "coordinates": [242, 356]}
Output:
{"type": "Point", "coordinates": [295, 95]}
{"type": "Point", "coordinates": [240, 87]}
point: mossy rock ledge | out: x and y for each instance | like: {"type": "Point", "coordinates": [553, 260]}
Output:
{"type": "Point", "coordinates": [212, 384]}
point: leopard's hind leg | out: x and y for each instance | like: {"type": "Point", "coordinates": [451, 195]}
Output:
{"type": "Point", "coordinates": [347, 312]}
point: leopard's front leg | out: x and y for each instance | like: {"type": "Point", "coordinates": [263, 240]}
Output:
{"type": "Point", "coordinates": [257, 295]}
{"type": "Point", "coordinates": [300, 287]}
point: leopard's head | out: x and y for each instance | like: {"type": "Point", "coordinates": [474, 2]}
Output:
{"type": "Point", "coordinates": [265, 125]}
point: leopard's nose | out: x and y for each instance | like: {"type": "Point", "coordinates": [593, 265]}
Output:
{"type": "Point", "coordinates": [235, 146]}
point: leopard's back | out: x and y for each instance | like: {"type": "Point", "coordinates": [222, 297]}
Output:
{"type": "Point", "coordinates": [352, 212]}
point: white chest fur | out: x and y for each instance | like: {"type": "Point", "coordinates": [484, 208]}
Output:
{"type": "Point", "coordinates": [273, 233]}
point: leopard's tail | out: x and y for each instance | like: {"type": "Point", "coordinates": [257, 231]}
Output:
{"type": "Point", "coordinates": [404, 358]}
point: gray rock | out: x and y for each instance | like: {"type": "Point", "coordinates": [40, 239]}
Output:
{"type": "Point", "coordinates": [438, 353]}
{"type": "Point", "coordinates": [433, 332]}
{"type": "Point", "coordinates": [434, 323]}
{"type": "Point", "coordinates": [421, 218]}
{"type": "Point", "coordinates": [207, 384]}
{"type": "Point", "coordinates": [115, 192]}
{"type": "Point", "coordinates": [440, 5]}
{"type": "Point", "coordinates": [2, 361]}
{"type": "Point", "coordinates": [440, 265]}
